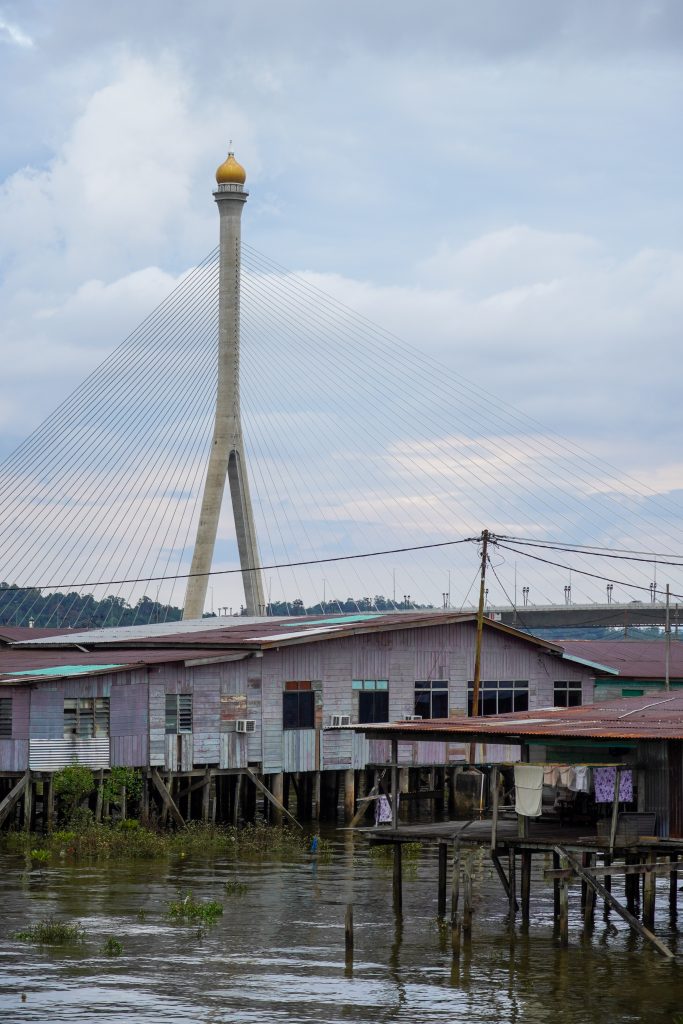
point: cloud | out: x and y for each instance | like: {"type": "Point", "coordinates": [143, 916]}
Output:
{"type": "Point", "coordinates": [13, 34]}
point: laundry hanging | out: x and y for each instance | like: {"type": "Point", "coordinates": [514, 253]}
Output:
{"type": "Point", "coordinates": [528, 789]}
{"type": "Point", "coordinates": [604, 779]}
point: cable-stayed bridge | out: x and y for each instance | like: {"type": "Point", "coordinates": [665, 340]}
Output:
{"type": "Point", "coordinates": [364, 467]}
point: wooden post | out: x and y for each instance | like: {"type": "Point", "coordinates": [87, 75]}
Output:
{"type": "Point", "coordinates": [99, 796]}
{"type": "Point", "coordinates": [239, 783]}
{"type": "Point", "coordinates": [348, 934]}
{"type": "Point", "coordinates": [270, 796]}
{"type": "Point", "coordinates": [394, 784]}
{"type": "Point", "coordinates": [673, 889]}
{"type": "Point", "coordinates": [494, 814]}
{"type": "Point", "coordinates": [398, 880]}
{"type": "Point", "coordinates": [124, 803]}
{"type": "Point", "coordinates": [144, 799]}
{"type": "Point", "coordinates": [526, 885]}
{"type": "Point", "coordinates": [49, 798]}
{"type": "Point", "coordinates": [315, 809]}
{"type": "Point", "coordinates": [589, 905]}
{"type": "Point", "coordinates": [467, 898]}
{"type": "Point", "coordinates": [350, 794]}
{"type": "Point", "coordinates": [556, 890]}
{"type": "Point", "coordinates": [455, 894]}
{"type": "Point", "coordinates": [512, 882]}
{"type": "Point", "coordinates": [169, 804]}
{"type": "Point", "coordinates": [451, 792]}
{"type": "Point", "coordinates": [615, 810]}
{"type": "Point", "coordinates": [443, 871]}
{"type": "Point", "coordinates": [649, 894]}
{"type": "Point", "coordinates": [277, 788]}
{"type": "Point", "coordinates": [206, 795]}
{"type": "Point", "coordinates": [564, 912]}
{"type": "Point", "coordinates": [607, 861]}
{"type": "Point", "coordinates": [28, 801]}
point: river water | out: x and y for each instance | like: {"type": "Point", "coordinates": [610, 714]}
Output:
{"type": "Point", "coordinates": [277, 954]}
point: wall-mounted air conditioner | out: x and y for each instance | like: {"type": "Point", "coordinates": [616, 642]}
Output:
{"type": "Point", "coordinates": [412, 718]}
{"type": "Point", "coordinates": [245, 725]}
{"type": "Point", "coordinates": [338, 721]}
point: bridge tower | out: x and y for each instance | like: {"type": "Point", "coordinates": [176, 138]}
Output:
{"type": "Point", "coordinates": [227, 449]}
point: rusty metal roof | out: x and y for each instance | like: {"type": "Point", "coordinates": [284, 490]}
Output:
{"type": "Point", "coordinates": [15, 634]}
{"type": "Point", "coordinates": [656, 716]}
{"type": "Point", "coordinates": [634, 659]}
{"type": "Point", "coordinates": [17, 664]}
{"type": "Point", "coordinates": [269, 632]}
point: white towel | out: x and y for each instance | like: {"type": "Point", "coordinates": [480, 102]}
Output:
{"type": "Point", "coordinates": [582, 779]}
{"type": "Point", "coordinates": [528, 789]}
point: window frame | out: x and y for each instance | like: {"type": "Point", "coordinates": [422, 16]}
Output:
{"type": "Point", "coordinates": [86, 718]}
{"type": "Point", "coordinates": [567, 688]}
{"type": "Point", "coordinates": [488, 687]}
{"type": "Point", "coordinates": [179, 714]}
{"type": "Point", "coordinates": [431, 688]}
{"type": "Point", "coordinates": [6, 718]}
{"type": "Point", "coordinates": [298, 695]}
{"type": "Point", "coordinates": [371, 694]}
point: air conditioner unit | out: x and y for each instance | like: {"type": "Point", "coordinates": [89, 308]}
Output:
{"type": "Point", "coordinates": [245, 725]}
{"type": "Point", "coordinates": [412, 718]}
{"type": "Point", "coordinates": [337, 721]}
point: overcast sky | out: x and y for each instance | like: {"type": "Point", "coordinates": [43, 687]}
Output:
{"type": "Point", "coordinates": [498, 182]}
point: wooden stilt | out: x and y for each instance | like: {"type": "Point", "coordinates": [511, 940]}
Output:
{"type": "Point", "coordinates": [239, 785]}
{"type": "Point", "coordinates": [206, 795]}
{"type": "Point", "coordinates": [144, 799]}
{"type": "Point", "coordinates": [349, 794]}
{"type": "Point", "coordinates": [512, 884]}
{"type": "Point", "coordinates": [589, 906]}
{"type": "Point", "coordinates": [649, 894]}
{"type": "Point", "coordinates": [315, 808]}
{"type": "Point", "coordinates": [673, 889]}
{"type": "Point", "coordinates": [455, 895]}
{"type": "Point", "coordinates": [556, 890]}
{"type": "Point", "coordinates": [28, 801]}
{"type": "Point", "coordinates": [270, 796]}
{"type": "Point", "coordinates": [398, 879]}
{"type": "Point", "coordinates": [99, 796]}
{"type": "Point", "coordinates": [168, 801]}
{"type": "Point", "coordinates": [394, 784]}
{"type": "Point", "coordinates": [526, 884]}
{"type": "Point", "coordinates": [443, 870]}
{"type": "Point", "coordinates": [467, 898]}
{"type": "Point", "coordinates": [277, 788]}
{"type": "Point", "coordinates": [348, 933]}
{"type": "Point", "coordinates": [564, 913]}
{"type": "Point", "coordinates": [49, 798]}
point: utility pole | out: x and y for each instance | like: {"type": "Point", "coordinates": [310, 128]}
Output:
{"type": "Point", "coordinates": [667, 644]}
{"type": "Point", "coordinates": [480, 623]}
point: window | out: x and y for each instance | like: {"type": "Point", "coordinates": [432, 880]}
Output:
{"type": "Point", "coordinates": [567, 693]}
{"type": "Point", "coordinates": [373, 699]}
{"type": "Point", "coordinates": [86, 717]}
{"type": "Point", "coordinates": [298, 706]}
{"type": "Point", "coordinates": [178, 713]}
{"type": "Point", "coordinates": [431, 698]}
{"type": "Point", "coordinates": [500, 696]}
{"type": "Point", "coordinates": [6, 718]}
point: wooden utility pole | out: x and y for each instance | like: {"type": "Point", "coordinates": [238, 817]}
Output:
{"type": "Point", "coordinates": [480, 623]}
{"type": "Point", "coordinates": [667, 642]}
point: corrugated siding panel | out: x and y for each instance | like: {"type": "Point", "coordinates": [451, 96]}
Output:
{"type": "Point", "coordinates": [338, 748]}
{"type": "Point", "coordinates": [300, 662]}
{"type": "Point", "coordinates": [129, 706]}
{"type": "Point", "coordinates": [233, 750]}
{"type": "Point", "coordinates": [432, 664]}
{"type": "Point", "coordinates": [21, 703]}
{"type": "Point", "coordinates": [676, 789]}
{"type": "Point", "coordinates": [360, 750]}
{"type": "Point", "coordinates": [51, 755]}
{"type": "Point", "coordinates": [47, 713]}
{"type": "Point", "coordinates": [157, 723]}
{"type": "Point", "coordinates": [129, 751]}
{"type": "Point", "coordinates": [654, 758]}
{"type": "Point", "coordinates": [370, 657]}
{"type": "Point", "coordinates": [13, 755]}
{"type": "Point", "coordinates": [299, 750]}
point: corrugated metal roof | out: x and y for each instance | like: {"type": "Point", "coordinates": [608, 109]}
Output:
{"type": "Point", "coordinates": [20, 664]}
{"type": "Point", "coordinates": [657, 716]}
{"type": "Point", "coordinates": [125, 634]}
{"type": "Point", "coordinates": [62, 670]}
{"type": "Point", "coordinates": [13, 634]}
{"type": "Point", "coordinates": [635, 659]}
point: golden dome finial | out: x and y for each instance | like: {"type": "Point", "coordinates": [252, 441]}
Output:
{"type": "Point", "coordinates": [230, 171]}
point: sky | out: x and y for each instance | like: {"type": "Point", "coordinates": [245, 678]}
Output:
{"type": "Point", "coordinates": [496, 183]}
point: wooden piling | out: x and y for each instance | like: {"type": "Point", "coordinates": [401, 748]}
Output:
{"type": "Point", "coordinates": [673, 889]}
{"type": "Point", "coordinates": [315, 805]}
{"type": "Point", "coordinates": [526, 884]}
{"type": "Point", "coordinates": [556, 890]}
{"type": "Point", "coordinates": [398, 879]}
{"type": "Point", "coordinates": [513, 886]}
{"type": "Point", "coordinates": [206, 795]}
{"type": "Point", "coordinates": [455, 896]}
{"type": "Point", "coordinates": [99, 796]}
{"type": "Point", "coordinates": [443, 870]}
{"type": "Point", "coordinates": [28, 801]}
{"type": "Point", "coordinates": [144, 799]}
{"type": "Point", "coordinates": [349, 795]}
{"type": "Point", "coordinates": [277, 788]}
{"type": "Point", "coordinates": [589, 905]}
{"type": "Point", "coordinates": [563, 921]}
{"type": "Point", "coordinates": [649, 894]}
{"type": "Point", "coordinates": [348, 932]}
{"type": "Point", "coordinates": [467, 898]}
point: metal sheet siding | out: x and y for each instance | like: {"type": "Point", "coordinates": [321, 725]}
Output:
{"type": "Point", "coordinates": [13, 755]}
{"type": "Point", "coordinates": [654, 758]}
{"type": "Point", "coordinates": [51, 755]}
{"type": "Point", "coordinates": [129, 751]}
{"type": "Point", "coordinates": [47, 713]}
{"type": "Point", "coordinates": [299, 750]}
{"type": "Point", "coordinates": [233, 750]}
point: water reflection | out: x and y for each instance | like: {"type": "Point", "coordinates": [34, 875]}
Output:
{"type": "Point", "coordinates": [278, 952]}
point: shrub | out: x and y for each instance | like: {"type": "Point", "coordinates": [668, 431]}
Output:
{"type": "Point", "coordinates": [112, 947]}
{"type": "Point", "coordinates": [72, 785]}
{"type": "Point", "coordinates": [121, 778]}
{"type": "Point", "coordinates": [50, 932]}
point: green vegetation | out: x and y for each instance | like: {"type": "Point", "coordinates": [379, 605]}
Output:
{"type": "Point", "coordinates": [128, 840]}
{"type": "Point", "coordinates": [112, 947]}
{"type": "Point", "coordinates": [120, 780]}
{"type": "Point", "coordinates": [384, 852]}
{"type": "Point", "coordinates": [72, 785]}
{"type": "Point", "coordinates": [187, 908]}
{"type": "Point", "coordinates": [233, 887]}
{"type": "Point", "coordinates": [50, 932]}
{"type": "Point", "coordinates": [39, 856]}
{"type": "Point", "coordinates": [63, 611]}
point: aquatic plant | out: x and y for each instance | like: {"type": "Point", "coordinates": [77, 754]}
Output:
{"type": "Point", "coordinates": [233, 887]}
{"type": "Point", "coordinates": [112, 947]}
{"type": "Point", "coordinates": [187, 908]}
{"type": "Point", "coordinates": [40, 856]}
{"type": "Point", "coordinates": [51, 932]}
{"type": "Point", "coordinates": [384, 852]}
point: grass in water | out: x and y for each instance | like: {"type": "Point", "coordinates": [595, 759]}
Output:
{"type": "Point", "coordinates": [50, 932]}
{"type": "Point", "coordinates": [233, 887]}
{"type": "Point", "coordinates": [384, 852]}
{"type": "Point", "coordinates": [189, 909]}
{"type": "Point", "coordinates": [112, 947]}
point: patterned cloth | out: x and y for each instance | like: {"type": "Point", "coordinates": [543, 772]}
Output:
{"type": "Point", "coordinates": [604, 779]}
{"type": "Point", "coordinates": [383, 810]}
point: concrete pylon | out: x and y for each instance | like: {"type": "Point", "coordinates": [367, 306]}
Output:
{"type": "Point", "coordinates": [227, 449]}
